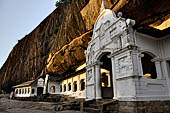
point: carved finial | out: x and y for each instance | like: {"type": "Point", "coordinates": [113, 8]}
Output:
{"type": "Point", "coordinates": [103, 6]}
{"type": "Point", "coordinates": [130, 22]}
{"type": "Point", "coordinates": [120, 14]}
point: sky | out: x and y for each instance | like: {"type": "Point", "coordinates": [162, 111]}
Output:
{"type": "Point", "coordinates": [18, 18]}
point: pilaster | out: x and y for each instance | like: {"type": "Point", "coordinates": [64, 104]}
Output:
{"type": "Point", "coordinates": [98, 81]}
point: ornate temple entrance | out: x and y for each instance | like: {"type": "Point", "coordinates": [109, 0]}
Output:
{"type": "Point", "coordinates": [106, 77]}
{"type": "Point", "coordinates": [109, 57]}
{"type": "Point", "coordinates": [114, 61]}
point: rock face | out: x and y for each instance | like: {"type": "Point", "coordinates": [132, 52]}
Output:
{"type": "Point", "coordinates": [70, 56]}
{"type": "Point", "coordinates": [57, 45]}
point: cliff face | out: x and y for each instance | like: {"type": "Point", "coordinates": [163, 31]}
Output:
{"type": "Point", "coordinates": [57, 45]}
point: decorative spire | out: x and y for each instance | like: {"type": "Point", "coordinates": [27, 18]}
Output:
{"type": "Point", "coordinates": [103, 6]}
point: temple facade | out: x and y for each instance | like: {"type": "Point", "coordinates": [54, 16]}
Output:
{"type": "Point", "coordinates": [138, 64]}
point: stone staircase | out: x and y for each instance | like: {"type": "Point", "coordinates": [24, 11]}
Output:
{"type": "Point", "coordinates": [68, 103]}
{"type": "Point", "coordinates": [65, 102]}
{"type": "Point", "coordinates": [101, 106]}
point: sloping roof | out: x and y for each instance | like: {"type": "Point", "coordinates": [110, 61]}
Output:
{"type": "Point", "coordinates": [28, 83]}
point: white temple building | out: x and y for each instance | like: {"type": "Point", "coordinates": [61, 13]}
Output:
{"type": "Point", "coordinates": [139, 64]}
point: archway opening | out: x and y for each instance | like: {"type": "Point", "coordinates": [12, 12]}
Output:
{"type": "Point", "coordinates": [149, 68]}
{"type": "Point", "coordinates": [106, 76]}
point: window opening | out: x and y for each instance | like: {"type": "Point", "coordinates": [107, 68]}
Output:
{"type": "Point", "coordinates": [82, 85]}
{"type": "Point", "coordinates": [60, 88]}
{"type": "Point", "coordinates": [22, 91]}
{"type": "Point", "coordinates": [69, 86]}
{"type": "Point", "coordinates": [16, 91]}
{"type": "Point", "coordinates": [75, 86]}
{"type": "Point", "coordinates": [149, 68]}
{"type": "Point", "coordinates": [28, 90]}
{"type": "Point", "coordinates": [64, 87]}
{"type": "Point", "coordinates": [19, 91]}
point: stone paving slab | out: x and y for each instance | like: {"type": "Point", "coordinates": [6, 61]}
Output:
{"type": "Point", "coordinates": [16, 106]}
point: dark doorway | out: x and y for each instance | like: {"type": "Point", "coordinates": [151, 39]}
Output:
{"type": "Point", "coordinates": [39, 91]}
{"type": "Point", "coordinates": [106, 77]}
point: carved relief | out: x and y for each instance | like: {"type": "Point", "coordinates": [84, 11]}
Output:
{"type": "Point", "coordinates": [97, 33]}
{"type": "Point", "coordinates": [124, 41]}
{"type": "Point", "coordinates": [102, 31]}
{"type": "Point", "coordinates": [113, 31]}
{"type": "Point", "coordinates": [117, 44]}
{"type": "Point", "coordinates": [92, 47]}
{"type": "Point", "coordinates": [89, 58]}
{"type": "Point", "coordinates": [89, 77]}
{"type": "Point", "coordinates": [90, 53]}
{"type": "Point", "coordinates": [124, 65]}
{"type": "Point", "coordinates": [107, 24]}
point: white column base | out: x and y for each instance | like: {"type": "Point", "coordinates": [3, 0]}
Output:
{"type": "Point", "coordinates": [98, 98]}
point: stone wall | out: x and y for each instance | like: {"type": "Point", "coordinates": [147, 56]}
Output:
{"type": "Point", "coordinates": [138, 107]}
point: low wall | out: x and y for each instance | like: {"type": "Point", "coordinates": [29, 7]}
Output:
{"type": "Point", "coordinates": [138, 107]}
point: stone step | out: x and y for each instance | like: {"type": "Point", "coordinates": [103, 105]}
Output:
{"type": "Point", "coordinates": [80, 99]}
{"type": "Point", "coordinates": [105, 101]}
{"type": "Point", "coordinates": [71, 98]}
{"type": "Point", "coordinates": [64, 96]}
{"type": "Point", "coordinates": [96, 106]}
{"type": "Point", "coordinates": [63, 99]}
{"type": "Point", "coordinates": [91, 110]}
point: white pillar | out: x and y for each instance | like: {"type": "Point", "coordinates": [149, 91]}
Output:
{"type": "Point", "coordinates": [158, 67]}
{"type": "Point", "coordinates": [98, 82]}
{"type": "Point", "coordinates": [165, 72]}
{"type": "Point", "coordinates": [114, 78]}
{"type": "Point", "coordinates": [158, 70]}
{"type": "Point", "coordinates": [46, 85]}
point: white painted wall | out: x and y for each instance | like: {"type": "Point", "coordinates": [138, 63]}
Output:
{"type": "Point", "coordinates": [154, 89]}
{"type": "Point", "coordinates": [71, 93]}
{"type": "Point", "coordinates": [35, 91]}
{"type": "Point", "coordinates": [26, 94]}
{"type": "Point", "coordinates": [165, 46]}
{"type": "Point", "coordinates": [147, 43]}
{"type": "Point", "coordinates": [57, 87]}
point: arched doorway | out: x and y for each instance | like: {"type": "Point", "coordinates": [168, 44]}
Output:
{"type": "Point", "coordinates": [106, 76]}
